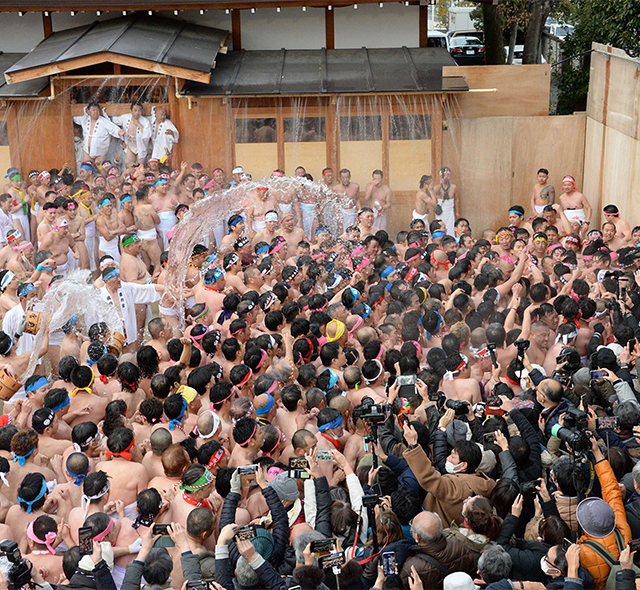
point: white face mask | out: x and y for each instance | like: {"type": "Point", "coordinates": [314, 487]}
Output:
{"type": "Point", "coordinates": [451, 467]}
{"type": "Point", "coordinates": [546, 568]}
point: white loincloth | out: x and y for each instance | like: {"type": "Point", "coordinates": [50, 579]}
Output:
{"type": "Point", "coordinates": [167, 221]}
{"type": "Point", "coordinates": [447, 216]}
{"type": "Point", "coordinates": [348, 217]}
{"type": "Point", "coordinates": [258, 225]}
{"type": "Point", "coordinates": [90, 243]}
{"type": "Point", "coordinates": [575, 215]}
{"type": "Point", "coordinates": [308, 213]}
{"type": "Point", "coordinates": [381, 221]}
{"type": "Point", "coordinates": [110, 247]}
{"type": "Point", "coordinates": [170, 311]}
{"type": "Point", "coordinates": [422, 216]}
{"type": "Point", "coordinates": [539, 209]}
{"type": "Point", "coordinates": [285, 208]}
{"type": "Point", "coordinates": [147, 234]}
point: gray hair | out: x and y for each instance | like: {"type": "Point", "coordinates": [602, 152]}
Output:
{"type": "Point", "coordinates": [428, 536]}
{"type": "Point", "coordinates": [245, 574]}
{"type": "Point", "coordinates": [301, 542]}
{"type": "Point", "coordinates": [636, 474]}
{"type": "Point", "coordinates": [494, 564]}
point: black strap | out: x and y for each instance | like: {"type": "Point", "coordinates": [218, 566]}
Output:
{"type": "Point", "coordinates": [434, 562]}
{"type": "Point", "coordinates": [601, 551]}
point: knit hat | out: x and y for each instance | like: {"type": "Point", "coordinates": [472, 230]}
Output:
{"type": "Point", "coordinates": [581, 376]}
{"type": "Point", "coordinates": [596, 517]}
{"type": "Point", "coordinates": [458, 581]}
{"type": "Point", "coordinates": [285, 487]}
{"type": "Point", "coordinates": [458, 431]}
{"type": "Point", "coordinates": [263, 542]}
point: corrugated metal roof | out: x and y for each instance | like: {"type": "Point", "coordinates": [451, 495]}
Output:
{"type": "Point", "coordinates": [26, 89]}
{"type": "Point", "coordinates": [156, 39]}
{"type": "Point", "coordinates": [332, 71]}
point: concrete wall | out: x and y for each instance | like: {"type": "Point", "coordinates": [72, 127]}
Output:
{"type": "Point", "coordinates": [393, 25]}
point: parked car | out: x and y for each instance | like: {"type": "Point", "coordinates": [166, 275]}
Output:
{"type": "Point", "coordinates": [437, 39]}
{"type": "Point", "coordinates": [477, 34]}
{"type": "Point", "coordinates": [518, 52]}
{"type": "Point", "coordinates": [467, 51]}
{"type": "Point", "coordinates": [560, 30]}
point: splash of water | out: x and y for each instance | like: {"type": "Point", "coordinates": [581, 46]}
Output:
{"type": "Point", "coordinates": [75, 295]}
{"type": "Point", "coordinates": [212, 211]}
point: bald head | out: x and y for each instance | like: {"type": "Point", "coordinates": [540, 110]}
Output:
{"type": "Point", "coordinates": [207, 424]}
{"type": "Point", "coordinates": [160, 441]}
{"type": "Point", "coordinates": [426, 528]}
{"type": "Point", "coordinates": [366, 335]}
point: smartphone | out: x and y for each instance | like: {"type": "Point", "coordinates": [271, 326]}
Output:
{"type": "Point", "coordinates": [607, 422]}
{"type": "Point", "coordinates": [247, 474]}
{"type": "Point", "coordinates": [324, 455]}
{"type": "Point", "coordinates": [403, 380]}
{"type": "Point", "coordinates": [566, 543]}
{"type": "Point", "coordinates": [160, 529]}
{"type": "Point", "coordinates": [335, 559]}
{"type": "Point", "coordinates": [247, 531]}
{"type": "Point", "coordinates": [634, 544]}
{"type": "Point", "coordinates": [323, 545]}
{"type": "Point", "coordinates": [489, 438]}
{"type": "Point", "coordinates": [631, 344]}
{"type": "Point", "coordinates": [297, 467]}
{"type": "Point", "coordinates": [85, 537]}
{"type": "Point", "coordinates": [402, 420]}
{"type": "Point", "coordinates": [599, 374]}
{"type": "Point", "coordinates": [389, 563]}
{"type": "Point", "coordinates": [583, 401]}
{"type": "Point", "coordinates": [197, 585]}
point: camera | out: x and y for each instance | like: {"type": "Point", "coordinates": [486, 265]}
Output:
{"type": "Point", "coordinates": [522, 345]}
{"type": "Point", "coordinates": [574, 432]}
{"type": "Point", "coordinates": [460, 407]}
{"type": "Point", "coordinates": [19, 574]}
{"type": "Point", "coordinates": [529, 487]}
{"type": "Point", "coordinates": [370, 500]}
{"type": "Point", "coordinates": [575, 419]}
{"type": "Point", "coordinates": [376, 413]}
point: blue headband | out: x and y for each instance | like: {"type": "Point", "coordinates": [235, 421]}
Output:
{"type": "Point", "coordinates": [438, 234]}
{"type": "Point", "coordinates": [87, 167]}
{"type": "Point", "coordinates": [111, 275]}
{"type": "Point", "coordinates": [367, 311]}
{"type": "Point", "coordinates": [79, 477]}
{"type": "Point", "coordinates": [387, 271]}
{"type": "Point", "coordinates": [176, 421]}
{"type": "Point", "coordinates": [104, 202]}
{"type": "Point", "coordinates": [235, 221]}
{"type": "Point", "coordinates": [30, 503]}
{"type": "Point", "coordinates": [62, 404]}
{"type": "Point", "coordinates": [22, 459]}
{"type": "Point", "coordinates": [124, 200]}
{"type": "Point", "coordinates": [217, 274]}
{"type": "Point", "coordinates": [333, 424]}
{"type": "Point", "coordinates": [25, 289]}
{"type": "Point", "coordinates": [212, 258]}
{"type": "Point", "coordinates": [264, 410]}
{"type": "Point", "coordinates": [41, 382]}
{"type": "Point", "coordinates": [355, 293]}
{"type": "Point", "coordinates": [262, 249]}
{"type": "Point", "coordinates": [322, 230]}
{"type": "Point", "coordinates": [429, 334]}
{"type": "Point", "coordinates": [70, 323]}
{"type": "Point", "coordinates": [161, 181]}
{"type": "Point", "coordinates": [333, 379]}
{"type": "Point", "coordinates": [516, 212]}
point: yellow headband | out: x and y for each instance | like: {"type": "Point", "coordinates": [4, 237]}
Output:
{"type": "Point", "coordinates": [340, 330]}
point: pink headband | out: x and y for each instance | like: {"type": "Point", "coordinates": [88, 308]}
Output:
{"type": "Point", "coordinates": [418, 347]}
{"type": "Point", "coordinates": [262, 358]}
{"type": "Point", "coordinates": [246, 377]}
{"type": "Point", "coordinates": [358, 323]}
{"type": "Point", "coordinates": [273, 387]}
{"type": "Point", "coordinates": [380, 352]}
{"type": "Point", "coordinates": [22, 246]}
{"type": "Point", "coordinates": [554, 247]}
{"type": "Point", "coordinates": [50, 537]}
{"type": "Point", "coordinates": [246, 442]}
{"type": "Point", "coordinates": [285, 216]}
{"type": "Point", "coordinates": [104, 533]}
{"type": "Point", "coordinates": [278, 246]}
{"type": "Point", "coordinates": [276, 445]}
{"type": "Point", "coordinates": [414, 257]}
{"type": "Point", "coordinates": [363, 263]}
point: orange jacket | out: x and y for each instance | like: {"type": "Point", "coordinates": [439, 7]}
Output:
{"type": "Point", "coordinates": [612, 495]}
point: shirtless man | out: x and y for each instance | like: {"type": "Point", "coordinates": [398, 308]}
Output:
{"type": "Point", "coordinates": [209, 290]}
{"type": "Point", "coordinates": [286, 197]}
{"type": "Point", "coordinates": [270, 230]}
{"type": "Point", "coordinates": [125, 215]}
{"type": "Point", "coordinates": [610, 237]}
{"type": "Point", "coordinates": [236, 226]}
{"type": "Point", "coordinates": [146, 220]}
{"type": "Point", "coordinates": [50, 212]}
{"type": "Point", "coordinates": [257, 208]}
{"type": "Point", "coordinates": [89, 217]}
{"type": "Point", "coordinates": [20, 209]}
{"type": "Point", "coordinates": [59, 241]}
{"type": "Point", "coordinates": [97, 131]}
{"type": "Point", "coordinates": [232, 266]}
{"type": "Point", "coordinates": [327, 178]}
{"type": "Point", "coordinates": [366, 219]}
{"type": "Point", "coordinates": [132, 268]}
{"type": "Point", "coordinates": [457, 383]}
{"type": "Point", "coordinates": [288, 230]}
{"type": "Point", "coordinates": [76, 231]}
{"type": "Point", "coordinates": [574, 204]}
{"type": "Point", "coordinates": [109, 230]}
{"type": "Point", "coordinates": [164, 202]}
{"type": "Point", "coordinates": [378, 196]}
{"type": "Point", "coordinates": [612, 215]}
{"type": "Point", "coordinates": [425, 200]}
{"type": "Point", "coordinates": [351, 191]}
{"type": "Point", "coordinates": [543, 193]}
{"type": "Point", "coordinates": [446, 194]}
{"type": "Point", "coordinates": [138, 132]}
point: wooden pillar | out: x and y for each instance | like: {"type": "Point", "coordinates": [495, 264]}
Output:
{"type": "Point", "coordinates": [436, 136]}
{"type": "Point", "coordinates": [385, 118]}
{"type": "Point", "coordinates": [424, 26]}
{"type": "Point", "coordinates": [330, 33]}
{"type": "Point", "coordinates": [47, 27]}
{"type": "Point", "coordinates": [280, 133]}
{"type": "Point", "coordinates": [332, 126]}
{"type": "Point", "coordinates": [236, 30]}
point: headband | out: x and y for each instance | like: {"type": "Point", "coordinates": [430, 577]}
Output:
{"type": "Point", "coordinates": [22, 459]}
{"type": "Point", "coordinates": [30, 503]}
{"type": "Point", "coordinates": [271, 217]}
{"type": "Point", "coordinates": [15, 234]}
{"type": "Point", "coordinates": [504, 232]}
{"type": "Point", "coordinates": [216, 274]}
{"type": "Point", "coordinates": [438, 234]}
{"type": "Point", "coordinates": [86, 388]}
{"type": "Point", "coordinates": [40, 382]}
{"type": "Point", "coordinates": [234, 222]}
{"type": "Point", "coordinates": [354, 292]}
{"type": "Point", "coordinates": [86, 500]}
{"type": "Point", "coordinates": [203, 481]}
{"type": "Point", "coordinates": [359, 322]}
{"type": "Point", "coordinates": [100, 536]}
{"type": "Point", "coordinates": [264, 410]}
{"type": "Point", "coordinates": [414, 271]}
{"type": "Point", "coordinates": [246, 377]}
{"type": "Point", "coordinates": [216, 458]}
{"type": "Point", "coordinates": [63, 223]}
{"type": "Point", "coordinates": [414, 257]}
{"type": "Point", "coordinates": [79, 477]}
{"type": "Point", "coordinates": [125, 453]}
{"type": "Point", "coordinates": [206, 309]}
{"type": "Point", "coordinates": [268, 454]}
{"type": "Point", "coordinates": [278, 246]}
{"type": "Point", "coordinates": [216, 424]}
{"type": "Point", "coordinates": [15, 177]}
{"type": "Point", "coordinates": [160, 181]}
{"type": "Point", "coordinates": [104, 202]}
{"type": "Point", "coordinates": [540, 239]}
{"type": "Point", "coordinates": [569, 179]}
{"type": "Point", "coordinates": [86, 166]}
{"type": "Point", "coordinates": [176, 421]}
{"type": "Point", "coordinates": [132, 239]}
{"type": "Point", "coordinates": [21, 247]}
{"type": "Point", "coordinates": [50, 538]}
{"type": "Point", "coordinates": [286, 215]}
{"type": "Point", "coordinates": [517, 212]}
{"type": "Point", "coordinates": [124, 199]}
{"type": "Point", "coordinates": [333, 424]}
{"type": "Point", "coordinates": [340, 330]}
{"type": "Point", "coordinates": [380, 371]}
{"type": "Point", "coordinates": [263, 356]}
{"type": "Point", "coordinates": [62, 404]}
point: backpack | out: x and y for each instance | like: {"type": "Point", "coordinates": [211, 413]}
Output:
{"type": "Point", "coordinates": [611, 561]}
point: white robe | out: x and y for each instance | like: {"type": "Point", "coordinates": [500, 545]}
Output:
{"type": "Point", "coordinates": [142, 135]}
{"type": "Point", "coordinates": [103, 130]}
{"type": "Point", "coordinates": [10, 324]}
{"type": "Point", "coordinates": [130, 294]}
{"type": "Point", "coordinates": [6, 224]}
{"type": "Point", "coordinates": [162, 143]}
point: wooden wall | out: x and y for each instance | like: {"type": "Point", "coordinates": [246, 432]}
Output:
{"type": "Point", "coordinates": [612, 159]}
{"type": "Point", "coordinates": [501, 91]}
{"type": "Point", "coordinates": [494, 161]}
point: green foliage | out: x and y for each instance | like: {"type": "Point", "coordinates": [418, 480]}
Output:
{"type": "Point", "coordinates": [612, 22]}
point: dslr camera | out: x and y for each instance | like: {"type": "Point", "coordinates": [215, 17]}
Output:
{"type": "Point", "coordinates": [376, 413]}
{"type": "Point", "coordinates": [574, 432]}
{"type": "Point", "coordinates": [460, 407]}
{"type": "Point", "coordinates": [19, 574]}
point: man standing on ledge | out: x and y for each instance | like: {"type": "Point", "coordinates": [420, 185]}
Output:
{"type": "Point", "coordinates": [574, 203]}
{"type": "Point", "coordinates": [446, 194]}
{"type": "Point", "coordinates": [378, 196]}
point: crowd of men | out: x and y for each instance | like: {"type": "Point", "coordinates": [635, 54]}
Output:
{"type": "Point", "coordinates": [449, 408]}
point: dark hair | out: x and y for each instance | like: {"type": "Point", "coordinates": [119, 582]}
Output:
{"type": "Point", "coordinates": [148, 361]}
{"type": "Point", "coordinates": [160, 386]}
{"type": "Point", "coordinates": [480, 518]}
{"type": "Point", "coordinates": [129, 376]}
{"type": "Point", "coordinates": [29, 489]}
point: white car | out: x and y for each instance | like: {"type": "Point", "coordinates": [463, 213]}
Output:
{"type": "Point", "coordinates": [437, 39]}
{"type": "Point", "coordinates": [560, 30]}
{"type": "Point", "coordinates": [518, 51]}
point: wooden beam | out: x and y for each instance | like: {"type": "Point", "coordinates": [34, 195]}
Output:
{"type": "Point", "coordinates": [436, 136]}
{"type": "Point", "coordinates": [236, 30]}
{"type": "Point", "coordinates": [47, 27]}
{"type": "Point", "coordinates": [423, 21]}
{"type": "Point", "coordinates": [329, 29]}
{"type": "Point", "coordinates": [280, 133]}
{"type": "Point", "coordinates": [90, 60]}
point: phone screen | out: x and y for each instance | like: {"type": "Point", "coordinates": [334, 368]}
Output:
{"type": "Point", "coordinates": [389, 564]}
{"type": "Point", "coordinates": [85, 538]}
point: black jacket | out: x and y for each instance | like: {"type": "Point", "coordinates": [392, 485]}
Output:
{"type": "Point", "coordinates": [532, 469]}
{"type": "Point", "coordinates": [525, 555]}
{"type": "Point", "coordinates": [99, 579]}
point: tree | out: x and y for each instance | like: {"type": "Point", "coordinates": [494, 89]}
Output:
{"type": "Point", "coordinates": [611, 22]}
{"type": "Point", "coordinates": [539, 10]}
{"type": "Point", "coordinates": [515, 15]}
{"type": "Point", "coordinates": [493, 34]}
